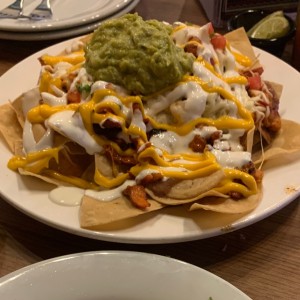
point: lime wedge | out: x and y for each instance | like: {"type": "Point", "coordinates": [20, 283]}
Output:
{"type": "Point", "coordinates": [272, 26]}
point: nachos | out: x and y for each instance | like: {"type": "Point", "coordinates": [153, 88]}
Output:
{"type": "Point", "coordinates": [151, 113]}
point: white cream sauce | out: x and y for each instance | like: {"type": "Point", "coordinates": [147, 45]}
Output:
{"type": "Point", "coordinates": [217, 107]}
{"type": "Point", "coordinates": [232, 159]}
{"type": "Point", "coordinates": [174, 143]}
{"type": "Point", "coordinates": [75, 46]}
{"type": "Point", "coordinates": [81, 78]}
{"type": "Point", "coordinates": [233, 137]}
{"type": "Point", "coordinates": [60, 69]}
{"type": "Point", "coordinates": [72, 196]}
{"type": "Point", "coordinates": [60, 98]}
{"type": "Point", "coordinates": [66, 196]}
{"type": "Point", "coordinates": [206, 75]}
{"type": "Point", "coordinates": [137, 120]}
{"type": "Point", "coordinates": [205, 49]}
{"type": "Point", "coordinates": [30, 99]}
{"type": "Point", "coordinates": [69, 124]}
{"type": "Point", "coordinates": [109, 195]}
{"type": "Point", "coordinates": [191, 101]}
{"type": "Point", "coordinates": [186, 102]}
{"type": "Point", "coordinates": [29, 142]}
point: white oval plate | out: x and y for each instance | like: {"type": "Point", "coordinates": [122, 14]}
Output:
{"type": "Point", "coordinates": [66, 14]}
{"type": "Point", "coordinates": [170, 225]}
{"type": "Point", "coordinates": [63, 33]}
{"type": "Point", "coordinates": [115, 275]}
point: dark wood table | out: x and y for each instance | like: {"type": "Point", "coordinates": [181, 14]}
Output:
{"type": "Point", "coordinates": [263, 259]}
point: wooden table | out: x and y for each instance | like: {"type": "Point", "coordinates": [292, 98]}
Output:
{"type": "Point", "coordinates": [263, 260]}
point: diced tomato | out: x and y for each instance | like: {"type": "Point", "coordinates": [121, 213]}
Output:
{"type": "Point", "coordinates": [73, 97]}
{"type": "Point", "coordinates": [254, 82]}
{"type": "Point", "coordinates": [218, 41]}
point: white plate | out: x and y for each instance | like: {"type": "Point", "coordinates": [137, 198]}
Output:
{"type": "Point", "coordinates": [66, 14]}
{"type": "Point", "coordinates": [63, 33]}
{"type": "Point", "coordinates": [171, 225]}
{"type": "Point", "coordinates": [115, 275]}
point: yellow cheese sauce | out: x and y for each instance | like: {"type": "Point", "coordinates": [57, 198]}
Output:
{"type": "Point", "coordinates": [74, 58]}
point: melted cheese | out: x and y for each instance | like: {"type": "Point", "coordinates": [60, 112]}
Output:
{"type": "Point", "coordinates": [242, 59]}
{"type": "Point", "coordinates": [247, 188]}
{"type": "Point", "coordinates": [42, 112]}
{"type": "Point", "coordinates": [72, 58]}
{"type": "Point", "coordinates": [34, 162]}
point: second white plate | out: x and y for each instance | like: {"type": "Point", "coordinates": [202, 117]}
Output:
{"type": "Point", "coordinates": [63, 33]}
{"type": "Point", "coordinates": [115, 275]}
{"type": "Point", "coordinates": [66, 14]}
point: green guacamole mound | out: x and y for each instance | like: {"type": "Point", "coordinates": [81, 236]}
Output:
{"type": "Point", "coordinates": [136, 54]}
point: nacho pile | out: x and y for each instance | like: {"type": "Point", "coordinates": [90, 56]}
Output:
{"type": "Point", "coordinates": [185, 141]}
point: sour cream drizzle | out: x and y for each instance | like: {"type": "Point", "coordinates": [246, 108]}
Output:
{"type": "Point", "coordinates": [111, 194]}
{"type": "Point", "coordinates": [69, 124]}
{"type": "Point", "coordinates": [66, 196]}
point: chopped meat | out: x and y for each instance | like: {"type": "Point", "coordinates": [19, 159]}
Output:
{"type": "Point", "coordinates": [235, 195]}
{"type": "Point", "coordinates": [258, 175]}
{"type": "Point", "coordinates": [73, 97]}
{"type": "Point", "coordinates": [109, 123]}
{"type": "Point", "coordinates": [192, 45]}
{"type": "Point", "coordinates": [215, 136]}
{"type": "Point", "coordinates": [198, 143]}
{"type": "Point", "coordinates": [273, 122]}
{"type": "Point", "coordinates": [150, 178]}
{"type": "Point", "coordinates": [137, 196]}
{"type": "Point", "coordinates": [251, 169]}
{"type": "Point", "coordinates": [191, 48]}
{"type": "Point", "coordinates": [112, 154]}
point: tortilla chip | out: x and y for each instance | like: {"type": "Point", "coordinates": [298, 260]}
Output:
{"type": "Point", "coordinates": [278, 88]}
{"type": "Point", "coordinates": [285, 143]}
{"type": "Point", "coordinates": [175, 192]}
{"type": "Point", "coordinates": [94, 213]}
{"type": "Point", "coordinates": [45, 178]}
{"type": "Point", "coordinates": [239, 40]}
{"type": "Point", "coordinates": [104, 165]}
{"type": "Point", "coordinates": [10, 127]}
{"type": "Point", "coordinates": [249, 139]}
{"type": "Point", "coordinates": [172, 201]}
{"type": "Point", "coordinates": [228, 205]}
{"type": "Point", "coordinates": [17, 106]}
{"type": "Point", "coordinates": [67, 164]}
{"type": "Point", "coordinates": [38, 131]}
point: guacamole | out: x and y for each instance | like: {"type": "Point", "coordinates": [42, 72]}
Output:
{"type": "Point", "coordinates": [136, 54]}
